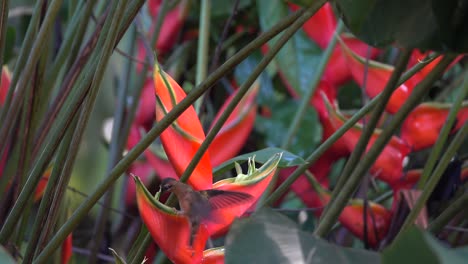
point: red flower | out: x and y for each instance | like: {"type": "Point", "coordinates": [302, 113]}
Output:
{"type": "Point", "coordinates": [378, 217]}
{"type": "Point", "coordinates": [423, 125]}
{"type": "Point", "coordinates": [321, 28]}
{"type": "Point", "coordinates": [182, 139]}
{"type": "Point", "coordinates": [389, 165]}
{"type": "Point", "coordinates": [170, 229]}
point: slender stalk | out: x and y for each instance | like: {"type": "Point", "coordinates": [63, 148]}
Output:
{"type": "Point", "coordinates": [23, 84]}
{"type": "Point", "coordinates": [91, 79]}
{"type": "Point", "coordinates": [313, 86]}
{"type": "Point", "coordinates": [320, 150]}
{"type": "Point", "coordinates": [203, 46]}
{"type": "Point", "coordinates": [22, 57]}
{"type": "Point", "coordinates": [115, 155]}
{"type": "Point", "coordinates": [369, 128]}
{"type": "Point", "coordinates": [444, 133]}
{"type": "Point", "coordinates": [309, 12]}
{"type": "Point", "coordinates": [335, 207]}
{"type": "Point", "coordinates": [123, 164]}
{"type": "Point", "coordinates": [46, 201]}
{"type": "Point", "coordinates": [3, 29]}
{"type": "Point", "coordinates": [435, 177]}
{"type": "Point", "coordinates": [454, 208]}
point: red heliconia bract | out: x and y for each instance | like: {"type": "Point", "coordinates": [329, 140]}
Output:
{"type": "Point", "coordinates": [378, 218]}
{"type": "Point", "coordinates": [320, 28]}
{"type": "Point", "coordinates": [184, 136]}
{"type": "Point", "coordinates": [172, 23]}
{"type": "Point", "coordinates": [171, 230]}
{"type": "Point", "coordinates": [236, 129]}
{"type": "Point", "coordinates": [390, 163]}
{"type": "Point", "coordinates": [422, 126]}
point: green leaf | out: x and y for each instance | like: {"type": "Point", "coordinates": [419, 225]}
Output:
{"type": "Point", "coordinates": [429, 250]}
{"type": "Point", "coordinates": [308, 135]}
{"type": "Point", "coordinates": [9, 44]}
{"type": "Point", "coordinates": [269, 237]}
{"type": "Point", "coordinates": [5, 257]}
{"type": "Point", "coordinates": [288, 159]}
{"type": "Point", "coordinates": [299, 57]}
{"type": "Point", "coordinates": [436, 25]}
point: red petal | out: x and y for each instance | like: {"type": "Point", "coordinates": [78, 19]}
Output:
{"type": "Point", "coordinates": [236, 129]}
{"type": "Point", "coordinates": [321, 26]}
{"type": "Point", "coordinates": [41, 186]}
{"type": "Point", "coordinates": [169, 230]}
{"type": "Point", "coordinates": [67, 249]}
{"type": "Point", "coordinates": [171, 25]}
{"type": "Point", "coordinates": [213, 256]}
{"type": "Point", "coordinates": [378, 217]}
{"type": "Point", "coordinates": [145, 111]}
{"type": "Point", "coordinates": [389, 165]}
{"type": "Point", "coordinates": [423, 125]}
{"type": "Point", "coordinates": [337, 70]}
{"type": "Point", "coordinates": [5, 84]}
{"type": "Point", "coordinates": [182, 139]}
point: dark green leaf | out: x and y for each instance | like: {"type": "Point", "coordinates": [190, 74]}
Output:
{"type": "Point", "coordinates": [269, 237]}
{"type": "Point", "coordinates": [9, 44]}
{"type": "Point", "coordinates": [299, 57]}
{"type": "Point", "coordinates": [436, 25]}
{"type": "Point", "coordinates": [5, 257]}
{"type": "Point", "coordinates": [288, 159]}
{"type": "Point", "coordinates": [416, 246]}
{"type": "Point", "coordinates": [274, 128]}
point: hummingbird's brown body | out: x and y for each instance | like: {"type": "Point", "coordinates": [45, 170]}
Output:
{"type": "Point", "coordinates": [198, 206]}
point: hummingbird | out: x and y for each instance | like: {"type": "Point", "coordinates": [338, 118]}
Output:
{"type": "Point", "coordinates": [199, 206]}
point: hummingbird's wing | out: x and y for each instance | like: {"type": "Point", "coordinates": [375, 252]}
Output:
{"type": "Point", "coordinates": [221, 199]}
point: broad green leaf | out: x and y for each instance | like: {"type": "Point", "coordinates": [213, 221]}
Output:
{"type": "Point", "coordinates": [288, 159]}
{"type": "Point", "coordinates": [5, 257]}
{"type": "Point", "coordinates": [299, 57]}
{"type": "Point", "coordinates": [275, 128]}
{"type": "Point", "coordinates": [416, 246]}
{"type": "Point", "coordinates": [269, 237]}
{"type": "Point", "coordinates": [437, 25]}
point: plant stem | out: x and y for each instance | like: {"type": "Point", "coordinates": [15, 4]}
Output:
{"type": "Point", "coordinates": [23, 84]}
{"type": "Point", "coordinates": [3, 29]}
{"type": "Point", "coordinates": [443, 135]}
{"type": "Point", "coordinates": [435, 178]}
{"type": "Point", "coordinates": [203, 47]}
{"type": "Point", "coordinates": [335, 207]}
{"type": "Point", "coordinates": [133, 154]}
{"type": "Point", "coordinates": [313, 86]}
{"type": "Point", "coordinates": [454, 208]}
{"type": "Point", "coordinates": [369, 128]}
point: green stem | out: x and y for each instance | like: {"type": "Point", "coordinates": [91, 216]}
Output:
{"type": "Point", "coordinates": [435, 177]}
{"type": "Point", "coordinates": [47, 197]}
{"type": "Point", "coordinates": [3, 29]}
{"type": "Point", "coordinates": [369, 128]}
{"type": "Point", "coordinates": [320, 150]}
{"type": "Point", "coordinates": [22, 57]}
{"type": "Point", "coordinates": [313, 86]}
{"type": "Point", "coordinates": [443, 135]}
{"type": "Point", "coordinates": [23, 84]}
{"type": "Point", "coordinates": [203, 46]}
{"type": "Point", "coordinates": [91, 79]}
{"type": "Point", "coordinates": [122, 166]}
{"type": "Point", "coordinates": [454, 208]}
{"type": "Point", "coordinates": [333, 138]}
{"type": "Point", "coordinates": [335, 207]}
